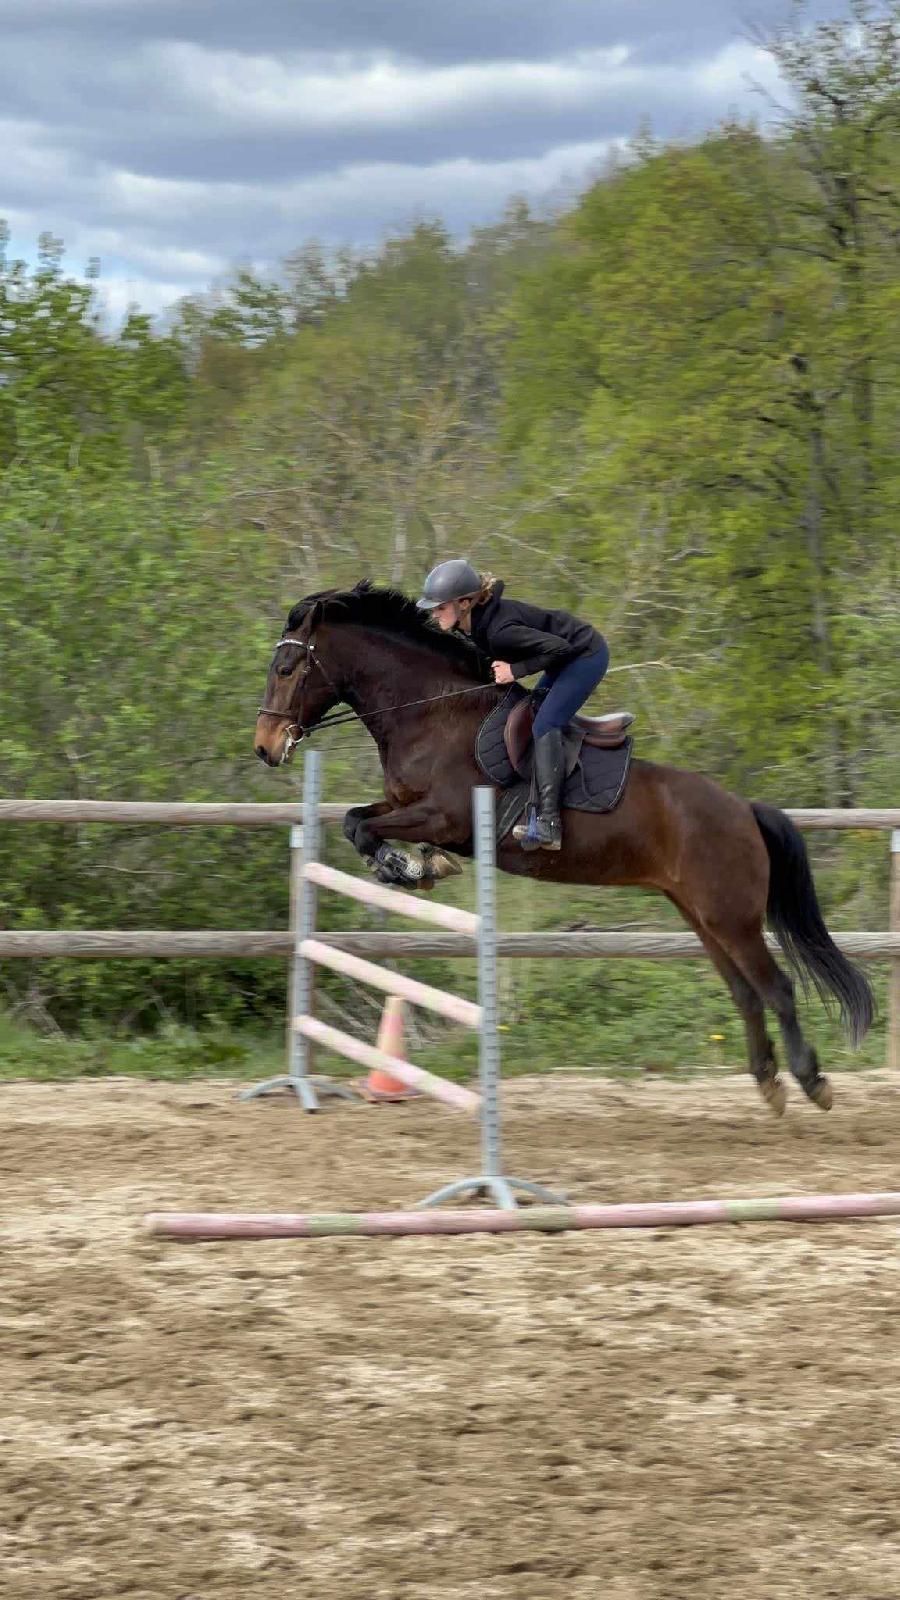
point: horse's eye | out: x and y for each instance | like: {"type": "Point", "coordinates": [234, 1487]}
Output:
{"type": "Point", "coordinates": [285, 671]}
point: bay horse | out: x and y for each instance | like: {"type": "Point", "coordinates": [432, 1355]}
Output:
{"type": "Point", "coordinates": [727, 864]}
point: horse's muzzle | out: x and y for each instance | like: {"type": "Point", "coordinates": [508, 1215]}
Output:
{"type": "Point", "coordinates": [275, 746]}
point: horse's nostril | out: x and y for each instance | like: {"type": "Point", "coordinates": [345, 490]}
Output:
{"type": "Point", "coordinates": [262, 752]}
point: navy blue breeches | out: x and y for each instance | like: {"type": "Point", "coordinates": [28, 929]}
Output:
{"type": "Point", "coordinates": [567, 689]}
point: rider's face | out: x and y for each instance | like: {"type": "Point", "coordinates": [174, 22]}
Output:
{"type": "Point", "coordinates": [447, 615]}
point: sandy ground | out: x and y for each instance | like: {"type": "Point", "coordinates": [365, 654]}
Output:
{"type": "Point", "coordinates": [701, 1413]}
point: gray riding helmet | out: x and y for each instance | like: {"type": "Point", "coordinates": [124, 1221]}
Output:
{"type": "Point", "coordinates": [451, 580]}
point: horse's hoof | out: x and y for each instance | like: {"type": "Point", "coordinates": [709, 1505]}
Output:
{"type": "Point", "coordinates": [439, 864]}
{"type": "Point", "coordinates": [394, 866]}
{"type": "Point", "coordinates": [774, 1093]}
{"type": "Point", "coordinates": [821, 1093]}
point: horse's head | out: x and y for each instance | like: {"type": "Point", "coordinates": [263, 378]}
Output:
{"type": "Point", "coordinates": [352, 645]}
{"type": "Point", "coordinates": [300, 689]}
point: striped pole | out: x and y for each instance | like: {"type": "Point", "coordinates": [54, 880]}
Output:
{"type": "Point", "coordinates": [197, 1226]}
{"type": "Point", "coordinates": [369, 1055]}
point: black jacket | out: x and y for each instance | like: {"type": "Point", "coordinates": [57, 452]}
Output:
{"type": "Point", "coordinates": [530, 638]}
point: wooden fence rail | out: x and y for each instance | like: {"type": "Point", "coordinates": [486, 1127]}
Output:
{"type": "Point", "coordinates": [231, 946]}
{"type": "Point", "coordinates": [280, 813]}
{"type": "Point", "coordinates": [212, 946]}
{"type": "Point", "coordinates": [163, 814]}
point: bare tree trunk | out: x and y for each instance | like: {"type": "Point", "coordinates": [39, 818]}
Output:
{"type": "Point", "coordinates": [814, 528]}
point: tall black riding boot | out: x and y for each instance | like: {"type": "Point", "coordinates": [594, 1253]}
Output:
{"type": "Point", "coordinates": [549, 772]}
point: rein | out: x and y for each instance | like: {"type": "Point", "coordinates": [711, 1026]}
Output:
{"type": "Point", "coordinates": [335, 718]}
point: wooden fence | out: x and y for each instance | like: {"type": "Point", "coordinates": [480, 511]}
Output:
{"type": "Point", "coordinates": [211, 945]}
{"type": "Point", "coordinates": [202, 815]}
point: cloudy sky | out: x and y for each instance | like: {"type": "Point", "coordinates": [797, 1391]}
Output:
{"type": "Point", "coordinates": [174, 138]}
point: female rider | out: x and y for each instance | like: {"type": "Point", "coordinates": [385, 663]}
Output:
{"type": "Point", "coordinates": [521, 639]}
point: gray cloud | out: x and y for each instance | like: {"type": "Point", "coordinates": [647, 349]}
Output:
{"type": "Point", "coordinates": [466, 30]}
{"type": "Point", "coordinates": [175, 138]}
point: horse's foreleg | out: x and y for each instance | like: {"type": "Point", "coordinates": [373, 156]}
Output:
{"type": "Point", "coordinates": [436, 863]}
{"type": "Point", "coordinates": [420, 823]}
{"type": "Point", "coordinates": [355, 818]}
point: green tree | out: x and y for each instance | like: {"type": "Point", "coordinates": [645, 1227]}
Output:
{"type": "Point", "coordinates": [67, 386]}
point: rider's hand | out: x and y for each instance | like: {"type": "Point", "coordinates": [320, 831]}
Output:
{"type": "Point", "coordinates": [503, 672]}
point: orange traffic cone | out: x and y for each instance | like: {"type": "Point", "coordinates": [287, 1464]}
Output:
{"type": "Point", "coordinates": [380, 1087]}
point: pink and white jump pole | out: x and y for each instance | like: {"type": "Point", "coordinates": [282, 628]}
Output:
{"type": "Point", "coordinates": [193, 1227]}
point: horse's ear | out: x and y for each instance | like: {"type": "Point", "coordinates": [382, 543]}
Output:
{"type": "Point", "coordinates": [304, 615]}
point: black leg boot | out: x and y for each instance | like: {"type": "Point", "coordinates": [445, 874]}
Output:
{"type": "Point", "coordinates": [549, 773]}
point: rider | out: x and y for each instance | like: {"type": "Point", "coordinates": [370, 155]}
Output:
{"type": "Point", "coordinates": [521, 639]}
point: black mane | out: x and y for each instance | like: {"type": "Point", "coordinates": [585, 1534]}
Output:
{"type": "Point", "coordinates": [392, 612]}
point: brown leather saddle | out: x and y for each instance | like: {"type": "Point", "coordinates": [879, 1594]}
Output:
{"type": "Point", "coordinates": [603, 733]}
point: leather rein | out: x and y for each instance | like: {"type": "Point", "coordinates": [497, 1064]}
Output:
{"type": "Point", "coordinates": [335, 718]}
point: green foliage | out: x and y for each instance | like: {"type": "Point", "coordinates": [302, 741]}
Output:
{"type": "Point", "coordinates": [721, 336]}
{"type": "Point", "coordinates": [171, 1052]}
{"type": "Point", "coordinates": [672, 408]}
{"type": "Point", "coordinates": [67, 393]}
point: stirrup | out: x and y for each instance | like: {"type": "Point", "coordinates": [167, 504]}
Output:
{"type": "Point", "coordinates": [529, 833]}
{"type": "Point", "coordinates": [525, 833]}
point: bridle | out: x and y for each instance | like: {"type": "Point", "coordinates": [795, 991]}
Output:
{"type": "Point", "coordinates": [334, 718]}
{"type": "Point", "coordinates": [309, 645]}
{"type": "Point", "coordinates": [312, 659]}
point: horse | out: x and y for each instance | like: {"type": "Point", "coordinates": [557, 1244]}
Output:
{"type": "Point", "coordinates": [725, 863]}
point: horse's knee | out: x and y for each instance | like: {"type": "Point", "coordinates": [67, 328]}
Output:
{"type": "Point", "coordinates": [353, 820]}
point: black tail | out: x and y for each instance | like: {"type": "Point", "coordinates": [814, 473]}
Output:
{"type": "Point", "coordinates": [795, 915]}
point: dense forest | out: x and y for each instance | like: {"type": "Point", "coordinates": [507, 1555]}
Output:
{"type": "Point", "coordinates": [672, 406]}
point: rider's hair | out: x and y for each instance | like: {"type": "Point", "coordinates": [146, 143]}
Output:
{"type": "Point", "coordinates": [488, 582]}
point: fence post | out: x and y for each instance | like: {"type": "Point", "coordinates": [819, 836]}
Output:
{"type": "Point", "coordinates": [491, 1182]}
{"type": "Point", "coordinates": [292, 1048]}
{"type": "Point", "coordinates": [894, 980]}
{"type": "Point", "coordinates": [303, 926]}
{"type": "Point", "coordinates": [304, 849]}
{"type": "Point", "coordinates": [488, 1037]}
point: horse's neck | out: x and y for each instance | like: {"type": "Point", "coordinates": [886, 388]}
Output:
{"type": "Point", "coordinates": [384, 675]}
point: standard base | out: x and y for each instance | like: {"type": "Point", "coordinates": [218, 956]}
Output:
{"type": "Point", "coordinates": [307, 1090]}
{"type": "Point", "coordinates": [498, 1189]}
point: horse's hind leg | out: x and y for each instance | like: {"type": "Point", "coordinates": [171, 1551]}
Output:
{"type": "Point", "coordinates": [761, 1051]}
{"type": "Point", "coordinates": [751, 954]}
